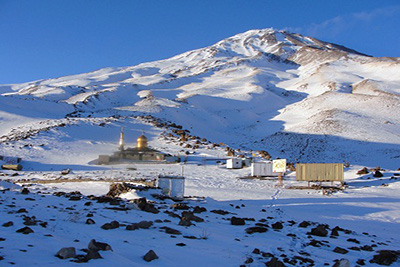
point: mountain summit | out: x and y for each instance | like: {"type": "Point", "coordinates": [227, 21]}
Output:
{"type": "Point", "coordinates": [294, 96]}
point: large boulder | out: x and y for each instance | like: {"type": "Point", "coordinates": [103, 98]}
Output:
{"type": "Point", "coordinates": [274, 262]}
{"type": "Point", "coordinates": [320, 230]}
{"type": "Point", "coordinates": [385, 257]}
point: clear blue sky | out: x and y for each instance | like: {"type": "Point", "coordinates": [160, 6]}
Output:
{"type": "Point", "coordinates": [51, 38]}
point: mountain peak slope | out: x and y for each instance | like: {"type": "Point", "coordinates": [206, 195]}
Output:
{"type": "Point", "coordinates": [254, 86]}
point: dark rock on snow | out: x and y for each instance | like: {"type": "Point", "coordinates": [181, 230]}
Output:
{"type": "Point", "coordinates": [304, 224]}
{"type": "Point", "coordinates": [237, 221]}
{"type": "Point", "coordinates": [8, 224]}
{"type": "Point", "coordinates": [150, 255]}
{"type": "Point", "coordinates": [320, 230]}
{"type": "Point", "coordinates": [65, 253]}
{"type": "Point", "coordinates": [277, 226]}
{"type": "Point", "coordinates": [340, 250]}
{"type": "Point", "coordinates": [94, 245]}
{"type": "Point", "coordinates": [25, 230]}
{"type": "Point", "coordinates": [342, 263]}
{"type": "Point", "coordinates": [90, 221]}
{"type": "Point", "coordinates": [378, 174]}
{"type": "Point", "coordinates": [25, 191]}
{"type": "Point", "coordinates": [111, 225]}
{"type": "Point", "coordinates": [274, 262]}
{"type": "Point", "coordinates": [385, 257]}
{"type": "Point", "coordinates": [256, 229]}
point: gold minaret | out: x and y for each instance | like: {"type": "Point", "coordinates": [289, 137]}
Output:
{"type": "Point", "coordinates": [121, 140]}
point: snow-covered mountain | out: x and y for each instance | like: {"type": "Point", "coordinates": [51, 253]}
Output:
{"type": "Point", "coordinates": [295, 96]}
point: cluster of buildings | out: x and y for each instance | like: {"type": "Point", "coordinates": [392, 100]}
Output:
{"type": "Point", "coordinates": [141, 153]}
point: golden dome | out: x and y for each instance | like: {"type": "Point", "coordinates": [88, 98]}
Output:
{"type": "Point", "coordinates": [141, 141]}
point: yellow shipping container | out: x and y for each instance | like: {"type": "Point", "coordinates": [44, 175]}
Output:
{"type": "Point", "coordinates": [319, 172]}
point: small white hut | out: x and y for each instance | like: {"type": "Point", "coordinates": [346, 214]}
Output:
{"type": "Point", "coordinates": [234, 163]}
{"type": "Point", "coordinates": [173, 186]}
{"type": "Point", "coordinates": [262, 169]}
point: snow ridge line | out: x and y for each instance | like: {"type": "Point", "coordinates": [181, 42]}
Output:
{"type": "Point", "coordinates": [29, 130]}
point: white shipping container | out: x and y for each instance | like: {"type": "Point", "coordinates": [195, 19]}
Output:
{"type": "Point", "coordinates": [262, 169]}
{"type": "Point", "coordinates": [234, 163]}
{"type": "Point", "coordinates": [173, 186]}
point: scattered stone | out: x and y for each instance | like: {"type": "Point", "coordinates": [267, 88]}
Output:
{"type": "Point", "coordinates": [90, 221]}
{"type": "Point", "coordinates": [277, 226]}
{"type": "Point", "coordinates": [8, 224]}
{"type": "Point", "coordinates": [190, 237]}
{"type": "Point", "coordinates": [43, 224]}
{"type": "Point", "coordinates": [304, 224]}
{"type": "Point", "coordinates": [366, 248]}
{"type": "Point", "coordinates": [191, 217]}
{"type": "Point", "coordinates": [65, 171]}
{"type": "Point", "coordinates": [237, 221]}
{"type": "Point", "coordinates": [320, 230]}
{"type": "Point", "coordinates": [30, 220]}
{"type": "Point", "coordinates": [171, 231]}
{"type": "Point", "coordinates": [335, 232]}
{"type": "Point", "coordinates": [65, 253]}
{"type": "Point", "coordinates": [385, 257]}
{"type": "Point", "coordinates": [25, 191]}
{"type": "Point", "coordinates": [111, 225]}
{"type": "Point", "coordinates": [360, 262]}
{"type": "Point", "coordinates": [274, 262]}
{"type": "Point", "coordinates": [118, 188]}
{"type": "Point", "coordinates": [256, 229]}
{"type": "Point", "coordinates": [172, 214]}
{"type": "Point", "coordinates": [181, 244]}
{"type": "Point", "coordinates": [363, 171]}
{"type": "Point", "coordinates": [342, 263]}
{"type": "Point", "coordinates": [145, 224]}
{"type": "Point", "coordinates": [180, 206]}
{"type": "Point", "coordinates": [353, 240]}
{"type": "Point", "coordinates": [355, 248]}
{"type": "Point", "coordinates": [89, 203]}
{"type": "Point", "coordinates": [93, 254]}
{"type": "Point", "coordinates": [185, 222]}
{"type": "Point", "coordinates": [145, 206]}
{"type": "Point", "coordinates": [220, 212]}
{"type": "Point", "coordinates": [22, 210]}
{"type": "Point", "coordinates": [150, 255]}
{"type": "Point", "coordinates": [94, 245]}
{"type": "Point", "coordinates": [316, 243]}
{"type": "Point", "coordinates": [340, 250]}
{"type": "Point", "coordinates": [248, 260]}
{"type": "Point", "coordinates": [132, 227]}
{"type": "Point", "coordinates": [25, 230]}
{"type": "Point", "coordinates": [377, 174]}
{"type": "Point", "coordinates": [198, 209]}
{"type": "Point", "coordinates": [75, 198]}
{"type": "Point", "coordinates": [256, 251]}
